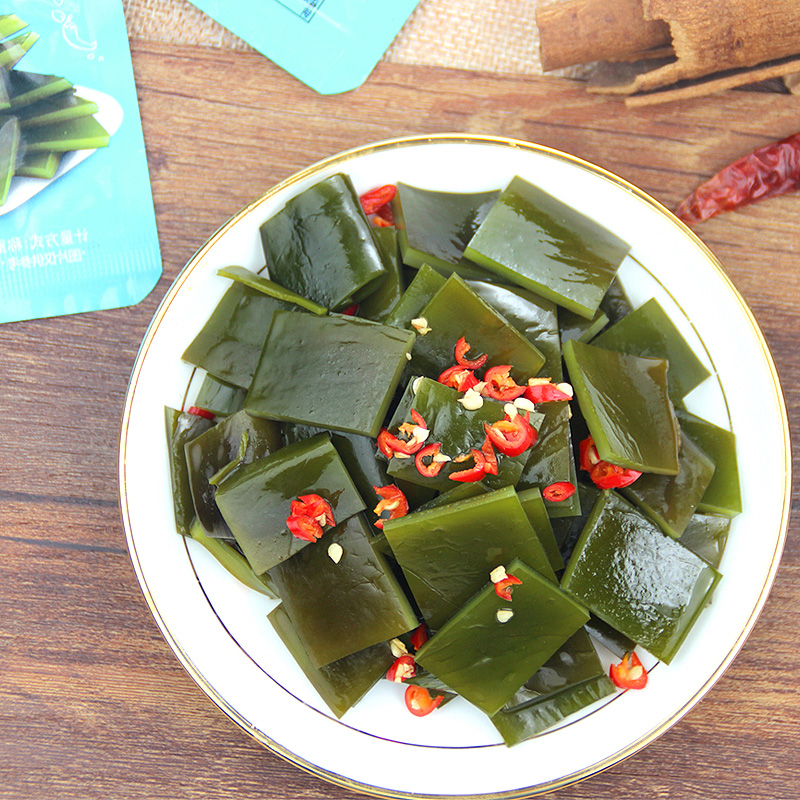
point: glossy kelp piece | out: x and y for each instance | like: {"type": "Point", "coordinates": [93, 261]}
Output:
{"type": "Point", "coordinates": [181, 428]}
{"type": "Point", "coordinates": [11, 24]}
{"type": "Point", "coordinates": [13, 50]}
{"type": "Point", "coordinates": [386, 296]}
{"type": "Point", "coordinates": [229, 344]}
{"type": "Point", "coordinates": [615, 303]}
{"type": "Point", "coordinates": [611, 639]}
{"type": "Point", "coordinates": [535, 508]}
{"type": "Point", "coordinates": [5, 92]}
{"type": "Point", "coordinates": [448, 552]}
{"type": "Point", "coordinates": [643, 583]}
{"type": "Point", "coordinates": [30, 87]}
{"type": "Point", "coordinates": [85, 133]}
{"type": "Point", "coordinates": [456, 311]}
{"type": "Point", "coordinates": [218, 397]}
{"type": "Point", "coordinates": [457, 429]}
{"type": "Point", "coordinates": [341, 684]}
{"type": "Point", "coordinates": [568, 529]}
{"type": "Point", "coordinates": [626, 406]}
{"type": "Point", "coordinates": [574, 326]}
{"type": "Point", "coordinates": [551, 460]}
{"type": "Point", "coordinates": [461, 491]}
{"type": "Point", "coordinates": [707, 535]}
{"type": "Point", "coordinates": [38, 165]}
{"type": "Point", "coordinates": [537, 242]}
{"type": "Point", "coordinates": [670, 500]}
{"type": "Point", "coordinates": [321, 246]}
{"type": "Point", "coordinates": [264, 285]}
{"type": "Point", "coordinates": [487, 660]}
{"type": "Point", "coordinates": [229, 556]}
{"type": "Point", "coordinates": [723, 495]}
{"type": "Point", "coordinates": [534, 317]}
{"type": "Point", "coordinates": [9, 147]}
{"type": "Point", "coordinates": [341, 607]}
{"type": "Point", "coordinates": [424, 285]}
{"type": "Point", "coordinates": [256, 500]}
{"type": "Point", "coordinates": [56, 109]}
{"type": "Point", "coordinates": [648, 331]}
{"type": "Point", "coordinates": [435, 227]}
{"type": "Point", "coordinates": [336, 372]}
{"type": "Point", "coordinates": [236, 440]}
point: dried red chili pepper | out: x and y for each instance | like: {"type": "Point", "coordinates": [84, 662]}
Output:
{"type": "Point", "coordinates": [201, 412]}
{"type": "Point", "coordinates": [475, 472]}
{"type": "Point", "coordinates": [629, 673]}
{"type": "Point", "coordinates": [512, 435]}
{"type": "Point", "coordinates": [371, 201]}
{"type": "Point", "coordinates": [458, 378]}
{"type": "Point", "coordinates": [392, 500]}
{"type": "Point", "coordinates": [546, 392]}
{"type": "Point", "coordinates": [461, 349]}
{"type": "Point", "coordinates": [559, 491]}
{"type": "Point", "coordinates": [503, 587]}
{"type": "Point", "coordinates": [429, 468]}
{"type": "Point", "coordinates": [499, 385]}
{"type": "Point", "coordinates": [419, 701]}
{"type": "Point", "coordinates": [766, 172]}
{"type": "Point", "coordinates": [420, 636]}
{"type": "Point", "coordinates": [404, 667]}
{"type": "Point", "coordinates": [604, 475]}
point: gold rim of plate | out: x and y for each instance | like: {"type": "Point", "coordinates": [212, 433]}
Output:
{"type": "Point", "coordinates": [343, 158]}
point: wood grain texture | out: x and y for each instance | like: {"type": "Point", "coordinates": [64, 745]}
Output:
{"type": "Point", "coordinates": [92, 702]}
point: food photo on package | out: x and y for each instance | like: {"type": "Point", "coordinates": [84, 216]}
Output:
{"type": "Point", "coordinates": [77, 223]}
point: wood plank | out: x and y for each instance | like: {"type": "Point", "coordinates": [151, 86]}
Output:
{"type": "Point", "coordinates": [93, 703]}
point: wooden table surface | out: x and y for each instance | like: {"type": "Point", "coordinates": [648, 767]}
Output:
{"type": "Point", "coordinates": [93, 704]}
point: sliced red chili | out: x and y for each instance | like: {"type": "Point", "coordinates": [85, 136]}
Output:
{"type": "Point", "coordinates": [371, 201]}
{"type": "Point", "coordinates": [419, 701]}
{"type": "Point", "coordinates": [547, 392]}
{"type": "Point", "coordinates": [390, 445]}
{"type": "Point", "coordinates": [304, 527]}
{"type": "Point", "coordinates": [201, 412]}
{"type": "Point", "coordinates": [381, 222]}
{"type": "Point", "coordinates": [314, 506]}
{"type": "Point", "coordinates": [588, 456]}
{"type": "Point", "coordinates": [512, 435]}
{"type": "Point", "coordinates": [604, 475]}
{"type": "Point", "coordinates": [385, 214]}
{"type": "Point", "coordinates": [351, 311]}
{"type": "Point", "coordinates": [474, 473]}
{"type": "Point", "coordinates": [629, 673]}
{"type": "Point", "coordinates": [392, 500]}
{"type": "Point", "coordinates": [490, 467]}
{"type": "Point", "coordinates": [404, 667]}
{"type": "Point", "coordinates": [425, 462]}
{"type": "Point", "coordinates": [420, 636]}
{"type": "Point", "coordinates": [768, 171]}
{"type": "Point", "coordinates": [418, 419]}
{"type": "Point", "coordinates": [462, 348]}
{"type": "Point", "coordinates": [503, 587]}
{"type": "Point", "coordinates": [559, 491]}
{"type": "Point", "coordinates": [499, 385]}
{"type": "Point", "coordinates": [458, 378]}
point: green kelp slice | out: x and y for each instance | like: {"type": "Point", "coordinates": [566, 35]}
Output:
{"type": "Point", "coordinates": [256, 499]}
{"type": "Point", "coordinates": [58, 108]}
{"type": "Point", "coordinates": [264, 285]}
{"type": "Point", "coordinates": [456, 311]}
{"type": "Point", "coordinates": [573, 326]}
{"type": "Point", "coordinates": [448, 552]}
{"type": "Point", "coordinates": [457, 429]}
{"type": "Point", "coordinates": [572, 679]}
{"type": "Point", "coordinates": [626, 406]}
{"type": "Point", "coordinates": [643, 583]}
{"type": "Point", "coordinates": [426, 282]}
{"type": "Point", "coordinates": [723, 495]}
{"type": "Point", "coordinates": [9, 147]}
{"type": "Point", "coordinates": [13, 50]}
{"type": "Point", "coordinates": [616, 303]}
{"type": "Point", "coordinates": [321, 246]}
{"type": "Point", "coordinates": [341, 684]}
{"type": "Point", "coordinates": [537, 242]}
{"type": "Point", "coordinates": [534, 317]}
{"type": "Point", "coordinates": [38, 165]}
{"type": "Point", "coordinates": [218, 397]}
{"type": "Point", "coordinates": [487, 660]}
{"type": "Point", "coordinates": [648, 331]}
{"type": "Point", "coordinates": [336, 372]}
{"type": "Point", "coordinates": [535, 508]}
{"type": "Point", "coordinates": [30, 87]}
{"type": "Point", "coordinates": [236, 440]}
{"type": "Point", "coordinates": [341, 596]}
{"type": "Point", "coordinates": [11, 24]}
{"type": "Point", "coordinates": [707, 535]}
{"type": "Point", "coordinates": [611, 639]}
{"type": "Point", "coordinates": [84, 133]}
{"type": "Point", "coordinates": [181, 428]}
{"type": "Point", "coordinates": [670, 500]}
{"type": "Point", "coordinates": [386, 296]}
{"type": "Point", "coordinates": [435, 227]}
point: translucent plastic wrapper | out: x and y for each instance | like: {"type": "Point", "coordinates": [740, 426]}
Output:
{"type": "Point", "coordinates": [77, 225]}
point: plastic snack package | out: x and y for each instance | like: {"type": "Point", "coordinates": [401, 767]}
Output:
{"type": "Point", "coordinates": [77, 224]}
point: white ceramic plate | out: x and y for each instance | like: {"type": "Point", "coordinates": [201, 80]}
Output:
{"type": "Point", "coordinates": [109, 114]}
{"type": "Point", "coordinates": [218, 629]}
